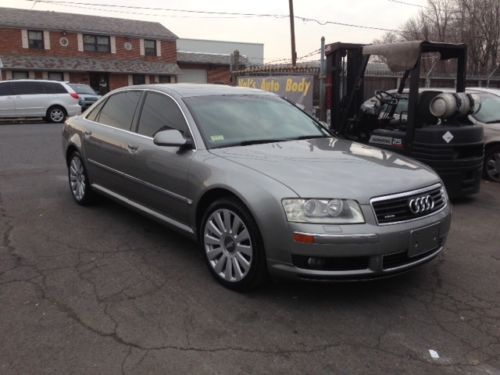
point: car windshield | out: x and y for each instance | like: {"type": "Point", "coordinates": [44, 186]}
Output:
{"type": "Point", "coordinates": [231, 120]}
{"type": "Point", "coordinates": [490, 109]}
{"type": "Point", "coordinates": [83, 89]}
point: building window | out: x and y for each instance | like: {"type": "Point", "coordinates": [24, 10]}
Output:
{"type": "Point", "coordinates": [149, 47]}
{"type": "Point", "coordinates": [139, 79]}
{"type": "Point", "coordinates": [35, 39]}
{"type": "Point", "coordinates": [55, 76]}
{"type": "Point", "coordinates": [164, 79]}
{"type": "Point", "coordinates": [20, 75]}
{"type": "Point", "coordinates": [96, 43]}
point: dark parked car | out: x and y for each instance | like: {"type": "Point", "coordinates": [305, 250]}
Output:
{"type": "Point", "coordinates": [87, 94]}
{"type": "Point", "coordinates": [261, 185]}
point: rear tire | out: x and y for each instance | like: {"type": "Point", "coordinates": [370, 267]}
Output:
{"type": "Point", "coordinates": [491, 169]}
{"type": "Point", "coordinates": [232, 245]}
{"type": "Point", "coordinates": [79, 183]}
{"type": "Point", "coordinates": [56, 114]}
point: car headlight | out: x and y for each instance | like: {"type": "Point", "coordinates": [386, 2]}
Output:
{"type": "Point", "coordinates": [323, 211]}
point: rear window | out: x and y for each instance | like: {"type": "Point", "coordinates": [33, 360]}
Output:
{"type": "Point", "coordinates": [119, 109]}
{"type": "Point", "coordinates": [83, 89]}
{"type": "Point", "coordinates": [54, 88]}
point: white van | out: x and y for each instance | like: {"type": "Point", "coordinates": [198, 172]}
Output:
{"type": "Point", "coordinates": [52, 100]}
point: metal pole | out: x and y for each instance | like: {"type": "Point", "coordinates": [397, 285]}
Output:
{"type": "Point", "coordinates": [292, 32]}
{"type": "Point", "coordinates": [491, 75]}
{"type": "Point", "coordinates": [322, 77]}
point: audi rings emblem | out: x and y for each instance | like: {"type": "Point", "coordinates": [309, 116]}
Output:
{"type": "Point", "coordinates": [421, 204]}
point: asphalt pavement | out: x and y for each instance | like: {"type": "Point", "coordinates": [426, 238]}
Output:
{"type": "Point", "coordinates": [104, 290]}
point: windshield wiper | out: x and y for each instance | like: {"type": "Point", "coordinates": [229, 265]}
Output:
{"type": "Point", "coordinates": [261, 141]}
{"type": "Point", "coordinates": [309, 137]}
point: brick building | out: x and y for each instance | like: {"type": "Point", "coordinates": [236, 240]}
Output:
{"type": "Point", "coordinates": [103, 52]}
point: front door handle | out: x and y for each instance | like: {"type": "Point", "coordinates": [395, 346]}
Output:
{"type": "Point", "coordinates": [87, 133]}
{"type": "Point", "coordinates": [132, 148]}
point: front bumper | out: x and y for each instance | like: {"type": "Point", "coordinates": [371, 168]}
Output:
{"type": "Point", "coordinates": [363, 251]}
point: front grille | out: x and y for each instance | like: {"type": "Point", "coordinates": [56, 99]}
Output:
{"type": "Point", "coordinates": [396, 208]}
{"type": "Point", "coordinates": [401, 259]}
{"type": "Point", "coordinates": [331, 263]}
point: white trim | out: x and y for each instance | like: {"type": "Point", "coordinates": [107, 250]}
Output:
{"type": "Point", "coordinates": [130, 80]}
{"type": "Point", "coordinates": [157, 78]}
{"type": "Point", "coordinates": [146, 79]}
{"type": "Point", "coordinates": [141, 47]}
{"type": "Point", "coordinates": [24, 38]}
{"type": "Point", "coordinates": [173, 79]}
{"type": "Point", "coordinates": [31, 74]}
{"type": "Point", "coordinates": [112, 42]}
{"type": "Point", "coordinates": [46, 39]}
{"type": "Point", "coordinates": [158, 48]}
{"type": "Point", "coordinates": [79, 37]}
{"type": "Point", "coordinates": [8, 74]}
{"type": "Point", "coordinates": [45, 75]}
{"type": "Point", "coordinates": [66, 76]}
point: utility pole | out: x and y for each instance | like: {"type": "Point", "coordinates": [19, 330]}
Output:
{"type": "Point", "coordinates": [292, 32]}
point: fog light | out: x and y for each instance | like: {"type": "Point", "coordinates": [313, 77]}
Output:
{"type": "Point", "coordinates": [315, 262]}
{"type": "Point", "coordinates": [306, 239]}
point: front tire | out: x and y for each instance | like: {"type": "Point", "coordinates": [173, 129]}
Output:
{"type": "Point", "coordinates": [78, 181]}
{"type": "Point", "coordinates": [232, 245]}
{"type": "Point", "coordinates": [492, 163]}
{"type": "Point", "coordinates": [56, 114]}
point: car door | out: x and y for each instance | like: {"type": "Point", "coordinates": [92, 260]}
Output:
{"type": "Point", "coordinates": [30, 99]}
{"type": "Point", "coordinates": [107, 141]}
{"type": "Point", "coordinates": [7, 100]}
{"type": "Point", "coordinates": [161, 173]}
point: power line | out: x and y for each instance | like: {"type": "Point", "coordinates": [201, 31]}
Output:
{"type": "Point", "coordinates": [219, 13]}
{"type": "Point", "coordinates": [407, 3]}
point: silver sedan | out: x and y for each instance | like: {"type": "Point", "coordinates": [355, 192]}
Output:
{"type": "Point", "coordinates": [261, 185]}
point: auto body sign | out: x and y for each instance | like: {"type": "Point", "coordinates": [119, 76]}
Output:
{"type": "Point", "coordinates": [297, 89]}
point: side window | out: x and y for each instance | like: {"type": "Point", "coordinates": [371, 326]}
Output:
{"type": "Point", "coordinates": [27, 88]}
{"type": "Point", "coordinates": [5, 89]}
{"type": "Point", "coordinates": [54, 88]}
{"type": "Point", "coordinates": [92, 116]}
{"type": "Point", "coordinates": [119, 109]}
{"type": "Point", "coordinates": [160, 113]}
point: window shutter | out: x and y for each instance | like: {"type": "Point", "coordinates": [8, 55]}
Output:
{"type": "Point", "coordinates": [141, 47]}
{"type": "Point", "coordinates": [112, 41]}
{"type": "Point", "coordinates": [45, 75]}
{"type": "Point", "coordinates": [158, 48]}
{"type": "Point", "coordinates": [80, 42]}
{"type": "Point", "coordinates": [130, 79]}
{"type": "Point", "coordinates": [66, 76]}
{"type": "Point", "coordinates": [24, 38]}
{"type": "Point", "coordinates": [46, 39]}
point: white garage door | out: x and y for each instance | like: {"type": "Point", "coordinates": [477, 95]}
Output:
{"type": "Point", "coordinates": [193, 76]}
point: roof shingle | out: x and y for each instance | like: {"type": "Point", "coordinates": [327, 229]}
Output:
{"type": "Point", "coordinates": [49, 20]}
{"type": "Point", "coordinates": [77, 64]}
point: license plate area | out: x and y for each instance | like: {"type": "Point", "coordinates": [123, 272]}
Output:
{"type": "Point", "coordinates": [423, 240]}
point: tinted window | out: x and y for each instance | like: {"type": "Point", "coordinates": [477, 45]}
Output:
{"type": "Point", "coordinates": [119, 109]}
{"type": "Point", "coordinates": [139, 79]}
{"type": "Point", "coordinates": [92, 116]}
{"type": "Point", "coordinates": [54, 88]}
{"type": "Point", "coordinates": [161, 113]}
{"type": "Point", "coordinates": [28, 88]}
{"type": "Point", "coordinates": [5, 89]}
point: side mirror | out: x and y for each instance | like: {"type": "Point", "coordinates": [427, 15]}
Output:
{"type": "Point", "coordinates": [171, 137]}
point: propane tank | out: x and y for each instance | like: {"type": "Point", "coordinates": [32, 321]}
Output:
{"type": "Point", "coordinates": [446, 105]}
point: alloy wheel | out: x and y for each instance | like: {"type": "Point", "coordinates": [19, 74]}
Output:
{"type": "Point", "coordinates": [228, 245]}
{"type": "Point", "coordinates": [77, 178]}
{"type": "Point", "coordinates": [56, 115]}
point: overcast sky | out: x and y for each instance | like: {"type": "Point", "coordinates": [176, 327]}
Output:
{"type": "Point", "coordinates": [273, 32]}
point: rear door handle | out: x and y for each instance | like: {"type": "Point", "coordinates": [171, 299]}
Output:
{"type": "Point", "coordinates": [87, 133]}
{"type": "Point", "coordinates": [132, 148]}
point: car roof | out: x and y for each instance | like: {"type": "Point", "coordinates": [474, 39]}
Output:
{"type": "Point", "coordinates": [34, 80]}
{"type": "Point", "coordinates": [185, 90]}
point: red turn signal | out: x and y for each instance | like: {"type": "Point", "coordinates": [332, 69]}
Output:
{"type": "Point", "coordinates": [304, 239]}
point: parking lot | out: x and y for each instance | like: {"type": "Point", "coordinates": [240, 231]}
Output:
{"type": "Point", "coordinates": [103, 290]}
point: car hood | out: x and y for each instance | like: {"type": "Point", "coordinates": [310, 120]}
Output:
{"type": "Point", "coordinates": [332, 168]}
